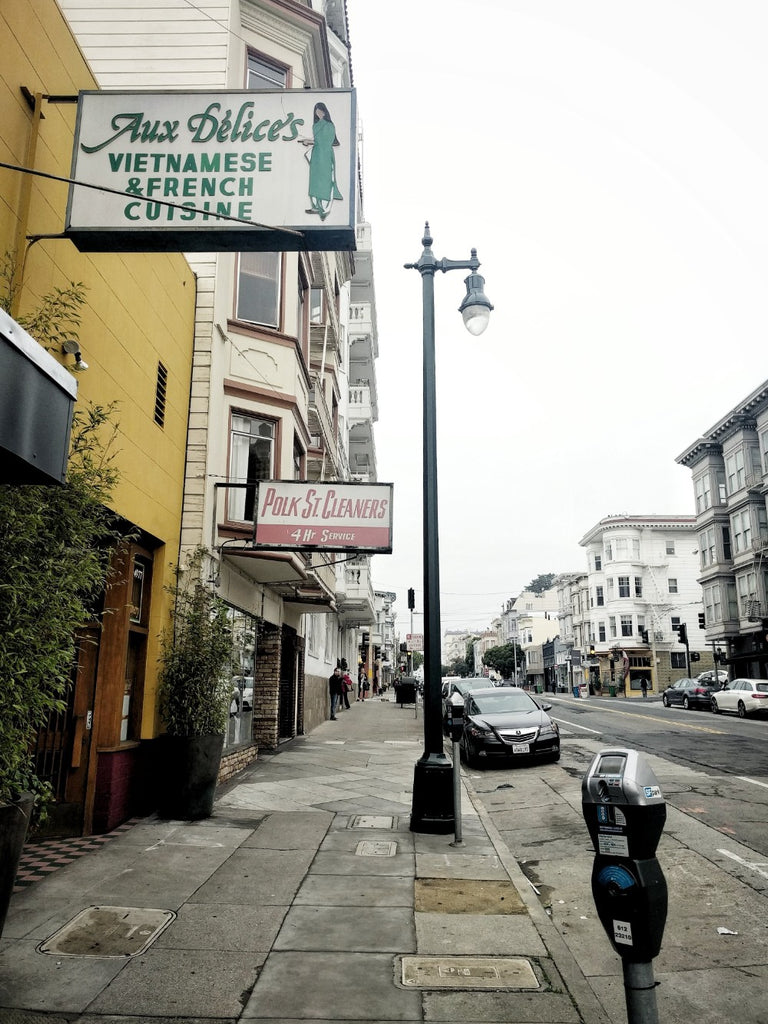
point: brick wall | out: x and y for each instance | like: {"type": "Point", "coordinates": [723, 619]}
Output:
{"type": "Point", "coordinates": [266, 687]}
{"type": "Point", "coordinates": [235, 761]}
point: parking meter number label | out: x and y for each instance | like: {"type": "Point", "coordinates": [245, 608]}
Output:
{"type": "Point", "coordinates": [613, 846]}
{"type": "Point", "coordinates": [622, 933]}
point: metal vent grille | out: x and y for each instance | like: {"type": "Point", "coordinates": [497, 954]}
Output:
{"type": "Point", "coordinates": [160, 394]}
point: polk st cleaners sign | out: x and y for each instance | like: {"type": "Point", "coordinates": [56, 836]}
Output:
{"type": "Point", "coordinates": [210, 172]}
{"type": "Point", "coordinates": [329, 517]}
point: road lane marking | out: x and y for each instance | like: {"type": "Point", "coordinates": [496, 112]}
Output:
{"type": "Point", "coordinates": [753, 781]}
{"type": "Point", "coordinates": [573, 725]}
{"type": "Point", "coordinates": [663, 721]}
{"type": "Point", "coordinates": [752, 865]}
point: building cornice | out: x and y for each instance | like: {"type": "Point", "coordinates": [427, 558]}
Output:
{"type": "Point", "coordinates": [650, 522]}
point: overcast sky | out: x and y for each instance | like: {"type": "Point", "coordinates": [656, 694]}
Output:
{"type": "Point", "coordinates": [608, 160]}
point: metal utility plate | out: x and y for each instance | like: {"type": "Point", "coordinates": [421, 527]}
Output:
{"type": "Point", "coordinates": [108, 932]}
{"type": "Point", "coordinates": [468, 972]}
{"type": "Point", "coordinates": [370, 848]}
{"type": "Point", "coordinates": [372, 821]}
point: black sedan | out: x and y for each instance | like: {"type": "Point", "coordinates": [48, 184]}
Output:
{"type": "Point", "coordinates": [690, 693]}
{"type": "Point", "coordinates": [506, 723]}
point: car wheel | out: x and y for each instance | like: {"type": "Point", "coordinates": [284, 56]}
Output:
{"type": "Point", "coordinates": [665, 701]}
{"type": "Point", "coordinates": [742, 710]}
{"type": "Point", "coordinates": [555, 757]}
{"type": "Point", "coordinates": [715, 708]}
{"type": "Point", "coordinates": [686, 703]}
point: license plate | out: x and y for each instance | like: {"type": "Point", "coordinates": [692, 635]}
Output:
{"type": "Point", "coordinates": [521, 748]}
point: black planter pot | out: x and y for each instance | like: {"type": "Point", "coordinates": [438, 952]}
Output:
{"type": "Point", "coordinates": [14, 822]}
{"type": "Point", "coordinates": [188, 771]}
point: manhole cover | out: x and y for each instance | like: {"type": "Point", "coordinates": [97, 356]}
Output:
{"type": "Point", "coordinates": [468, 972]}
{"type": "Point", "coordinates": [372, 821]}
{"type": "Point", "coordinates": [108, 932]}
{"type": "Point", "coordinates": [467, 896]}
{"type": "Point", "coordinates": [374, 849]}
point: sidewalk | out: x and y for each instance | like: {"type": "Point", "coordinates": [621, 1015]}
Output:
{"type": "Point", "coordinates": [304, 898]}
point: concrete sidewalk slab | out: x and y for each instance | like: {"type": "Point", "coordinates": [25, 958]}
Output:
{"type": "Point", "coordinates": [297, 900]}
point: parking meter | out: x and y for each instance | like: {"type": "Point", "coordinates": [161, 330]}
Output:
{"type": "Point", "coordinates": [455, 716]}
{"type": "Point", "coordinates": [625, 812]}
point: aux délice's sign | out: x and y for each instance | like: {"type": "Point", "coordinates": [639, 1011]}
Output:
{"type": "Point", "coordinates": [298, 515]}
{"type": "Point", "coordinates": [194, 165]}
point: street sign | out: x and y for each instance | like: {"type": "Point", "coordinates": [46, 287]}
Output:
{"type": "Point", "coordinates": [415, 641]}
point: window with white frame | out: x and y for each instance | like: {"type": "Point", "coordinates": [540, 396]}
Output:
{"type": "Point", "coordinates": [741, 531]}
{"type": "Point", "coordinates": [317, 305]}
{"type": "Point", "coordinates": [608, 551]}
{"type": "Point", "coordinates": [762, 524]}
{"type": "Point", "coordinates": [701, 488]}
{"type": "Point", "coordinates": [764, 449]}
{"type": "Point", "coordinates": [626, 625]}
{"type": "Point", "coordinates": [677, 659]}
{"type": "Point", "coordinates": [707, 551]}
{"type": "Point", "coordinates": [598, 563]}
{"type": "Point", "coordinates": [672, 585]}
{"type": "Point", "coordinates": [251, 459]}
{"type": "Point", "coordinates": [746, 588]}
{"type": "Point", "coordinates": [601, 632]}
{"type": "Point", "coordinates": [610, 584]}
{"type": "Point", "coordinates": [734, 470]}
{"type": "Point", "coordinates": [713, 609]}
{"type": "Point", "coordinates": [635, 543]}
{"type": "Point", "coordinates": [670, 547]}
{"type": "Point", "coordinates": [599, 596]}
{"type": "Point", "coordinates": [624, 586]}
{"type": "Point", "coordinates": [612, 625]}
{"type": "Point", "coordinates": [638, 586]}
{"type": "Point", "coordinates": [621, 548]}
{"type": "Point", "coordinates": [263, 74]}
{"type": "Point", "coordinates": [722, 495]}
{"type": "Point", "coordinates": [258, 288]}
{"type": "Point", "coordinates": [675, 622]}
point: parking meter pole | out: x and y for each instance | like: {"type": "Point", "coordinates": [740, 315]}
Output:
{"type": "Point", "coordinates": [625, 811]}
{"type": "Point", "coordinates": [640, 993]}
{"type": "Point", "coordinates": [457, 840]}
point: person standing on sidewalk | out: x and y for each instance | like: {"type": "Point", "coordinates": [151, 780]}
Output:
{"type": "Point", "coordinates": [644, 686]}
{"type": "Point", "coordinates": [335, 689]}
{"type": "Point", "coordinates": [346, 686]}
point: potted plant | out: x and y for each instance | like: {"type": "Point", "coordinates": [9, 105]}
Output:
{"type": "Point", "coordinates": [195, 693]}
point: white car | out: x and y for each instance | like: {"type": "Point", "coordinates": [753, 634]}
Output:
{"type": "Point", "coordinates": [742, 696]}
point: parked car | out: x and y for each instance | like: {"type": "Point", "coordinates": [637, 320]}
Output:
{"type": "Point", "coordinates": [689, 693]}
{"type": "Point", "coordinates": [507, 723]}
{"type": "Point", "coordinates": [721, 676]}
{"type": "Point", "coordinates": [743, 697]}
{"type": "Point", "coordinates": [461, 686]}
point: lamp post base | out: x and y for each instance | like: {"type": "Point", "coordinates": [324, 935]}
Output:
{"type": "Point", "coordinates": [432, 805]}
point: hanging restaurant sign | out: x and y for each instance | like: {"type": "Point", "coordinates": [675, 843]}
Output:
{"type": "Point", "coordinates": [320, 516]}
{"type": "Point", "coordinates": [214, 171]}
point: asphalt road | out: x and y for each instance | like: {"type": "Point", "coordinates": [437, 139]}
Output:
{"type": "Point", "coordinates": [732, 754]}
{"type": "Point", "coordinates": [713, 772]}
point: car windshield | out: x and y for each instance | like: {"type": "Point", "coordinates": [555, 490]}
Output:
{"type": "Point", "coordinates": [498, 703]}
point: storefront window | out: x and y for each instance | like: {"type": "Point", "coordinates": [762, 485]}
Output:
{"type": "Point", "coordinates": [244, 634]}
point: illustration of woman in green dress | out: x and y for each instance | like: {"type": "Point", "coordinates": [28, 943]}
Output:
{"type": "Point", "coordinates": [322, 163]}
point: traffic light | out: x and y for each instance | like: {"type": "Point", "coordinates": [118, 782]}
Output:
{"type": "Point", "coordinates": [591, 650]}
{"type": "Point", "coordinates": [702, 623]}
{"type": "Point", "coordinates": [411, 599]}
{"type": "Point", "coordinates": [682, 633]}
{"type": "Point", "coordinates": [644, 636]}
{"type": "Point", "coordinates": [403, 648]}
{"type": "Point", "coordinates": [695, 656]}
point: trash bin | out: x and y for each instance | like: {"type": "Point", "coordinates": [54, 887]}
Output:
{"type": "Point", "coordinates": [576, 691]}
{"type": "Point", "coordinates": [405, 692]}
{"type": "Point", "coordinates": [612, 690]}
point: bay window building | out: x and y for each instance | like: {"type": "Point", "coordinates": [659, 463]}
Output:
{"type": "Point", "coordinates": [729, 470]}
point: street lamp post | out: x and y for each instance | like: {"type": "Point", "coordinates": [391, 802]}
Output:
{"type": "Point", "coordinates": [432, 803]}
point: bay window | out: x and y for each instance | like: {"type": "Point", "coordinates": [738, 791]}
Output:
{"type": "Point", "coordinates": [251, 460]}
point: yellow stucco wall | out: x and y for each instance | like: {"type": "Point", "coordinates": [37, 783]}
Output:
{"type": "Point", "coordinates": [139, 308]}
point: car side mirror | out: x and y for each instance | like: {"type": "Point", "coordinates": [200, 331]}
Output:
{"type": "Point", "coordinates": [545, 707]}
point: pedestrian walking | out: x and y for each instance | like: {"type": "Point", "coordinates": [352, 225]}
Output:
{"type": "Point", "coordinates": [335, 689]}
{"type": "Point", "coordinates": [644, 686]}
